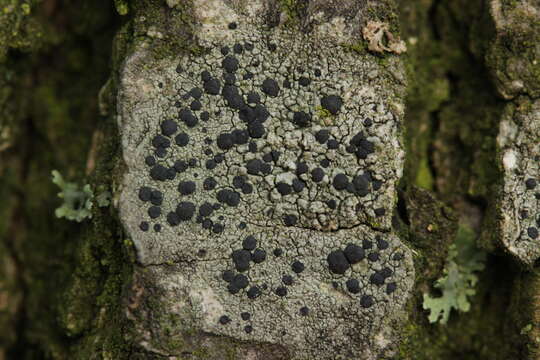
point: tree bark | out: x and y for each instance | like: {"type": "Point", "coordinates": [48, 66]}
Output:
{"type": "Point", "coordinates": [418, 122]}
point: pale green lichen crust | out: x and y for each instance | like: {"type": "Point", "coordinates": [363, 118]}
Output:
{"type": "Point", "coordinates": [513, 61]}
{"type": "Point", "coordinates": [519, 145]}
{"type": "Point", "coordinates": [261, 183]}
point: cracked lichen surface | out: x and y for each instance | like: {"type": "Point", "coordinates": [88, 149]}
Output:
{"type": "Point", "coordinates": [519, 143]}
{"type": "Point", "coordinates": [264, 172]}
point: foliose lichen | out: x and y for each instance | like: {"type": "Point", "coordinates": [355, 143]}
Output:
{"type": "Point", "coordinates": [78, 201]}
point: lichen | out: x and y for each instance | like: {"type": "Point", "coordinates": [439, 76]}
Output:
{"type": "Point", "coordinates": [458, 284]}
{"type": "Point", "coordinates": [287, 211]}
{"type": "Point", "coordinates": [78, 201]}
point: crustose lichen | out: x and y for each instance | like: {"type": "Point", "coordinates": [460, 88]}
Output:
{"type": "Point", "coordinates": [78, 201]}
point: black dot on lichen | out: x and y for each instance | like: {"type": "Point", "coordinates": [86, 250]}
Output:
{"type": "Point", "coordinates": [332, 103]}
{"type": "Point", "coordinates": [160, 141]}
{"type": "Point", "coordinates": [530, 184]}
{"type": "Point", "coordinates": [381, 243]}
{"type": "Point", "coordinates": [304, 311]}
{"type": "Point", "coordinates": [196, 93]}
{"type": "Point", "coordinates": [256, 129]}
{"type": "Point", "coordinates": [376, 279]}
{"type": "Point", "coordinates": [150, 160]}
{"type": "Point", "coordinates": [186, 187]}
{"type": "Point", "coordinates": [157, 227]}
{"type": "Point", "coordinates": [185, 210]}
{"type": "Point", "coordinates": [283, 188]}
{"type": "Point", "coordinates": [340, 182]}
{"type": "Point", "coordinates": [240, 136]}
{"type": "Point", "coordinates": [270, 87]}
{"type": "Point", "coordinates": [245, 316]}
{"type": "Point", "coordinates": [287, 280]}
{"type": "Point", "coordinates": [230, 79]}
{"type": "Point", "coordinates": [249, 243]}
{"type": "Point", "coordinates": [224, 320]}
{"type": "Point", "coordinates": [229, 197]}
{"type": "Point", "coordinates": [212, 86]}
{"type": "Point", "coordinates": [332, 144]}
{"type": "Point", "coordinates": [227, 275]}
{"type": "Point", "coordinates": [380, 211]}
{"type": "Point", "coordinates": [154, 212]}
{"type": "Point", "coordinates": [253, 292]}
{"type": "Point", "coordinates": [241, 259]}
{"type": "Point", "coordinates": [297, 267]}
{"type": "Point", "coordinates": [258, 256]}
{"type": "Point", "coordinates": [354, 253]}
{"type": "Point", "coordinates": [205, 75]}
{"type": "Point", "coordinates": [225, 141]}
{"type": "Point", "coordinates": [144, 226]}
{"type": "Point", "coordinates": [156, 197]}
{"type": "Point", "coordinates": [322, 136]}
{"type": "Point", "coordinates": [207, 224]}
{"type": "Point", "coordinates": [209, 183]}
{"type": "Point", "coordinates": [180, 166]}
{"type": "Point", "coordinates": [532, 232]}
{"type": "Point", "coordinates": [367, 244]}
{"type": "Point", "coordinates": [278, 252]}
{"type": "Point", "coordinates": [281, 291]}
{"type": "Point", "coordinates": [390, 288]}
{"type": "Point", "coordinates": [206, 209]}
{"type": "Point", "coordinates": [290, 219]}
{"type": "Point", "coordinates": [173, 219]}
{"type": "Point", "coordinates": [373, 257]}
{"type": "Point", "coordinates": [238, 48]}
{"type": "Point", "coordinates": [217, 228]}
{"type": "Point", "coordinates": [240, 281]}
{"type": "Point", "coordinates": [317, 175]}
{"type": "Point", "coordinates": [360, 185]}
{"type": "Point", "coordinates": [168, 127]}
{"type": "Point", "coordinates": [301, 119]}
{"type": "Point", "coordinates": [366, 301]}
{"type": "Point", "coordinates": [304, 81]}
{"type": "Point", "coordinates": [337, 262]}
{"type": "Point", "coordinates": [253, 166]}
{"type": "Point", "coordinates": [232, 26]}
{"type": "Point", "coordinates": [253, 98]}
{"type": "Point", "coordinates": [248, 329]}
{"type": "Point", "coordinates": [187, 117]}
{"type": "Point", "coordinates": [210, 164]}
{"type": "Point", "coordinates": [353, 285]}
{"type": "Point", "coordinates": [230, 64]}
{"type": "Point", "coordinates": [145, 193]}
{"type": "Point", "coordinates": [301, 168]}
{"type": "Point", "coordinates": [298, 185]}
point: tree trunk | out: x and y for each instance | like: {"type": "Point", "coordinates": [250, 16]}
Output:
{"type": "Point", "coordinates": [269, 179]}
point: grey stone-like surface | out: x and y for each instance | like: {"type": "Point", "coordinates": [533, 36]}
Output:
{"type": "Point", "coordinates": [513, 60]}
{"type": "Point", "coordinates": [519, 143]}
{"type": "Point", "coordinates": [292, 276]}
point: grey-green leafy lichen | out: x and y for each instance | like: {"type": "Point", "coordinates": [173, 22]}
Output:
{"type": "Point", "coordinates": [259, 216]}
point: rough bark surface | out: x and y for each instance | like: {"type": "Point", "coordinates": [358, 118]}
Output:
{"type": "Point", "coordinates": [449, 154]}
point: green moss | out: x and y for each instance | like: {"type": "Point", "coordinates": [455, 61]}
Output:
{"type": "Point", "coordinates": [294, 10]}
